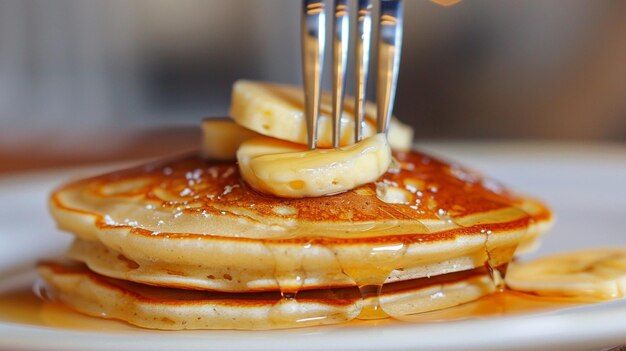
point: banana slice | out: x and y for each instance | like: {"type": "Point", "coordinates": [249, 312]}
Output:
{"type": "Point", "coordinates": [221, 138]}
{"type": "Point", "coordinates": [290, 170]}
{"type": "Point", "coordinates": [276, 110]}
{"type": "Point", "coordinates": [595, 274]}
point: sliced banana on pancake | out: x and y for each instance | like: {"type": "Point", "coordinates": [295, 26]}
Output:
{"type": "Point", "coordinates": [290, 170]}
{"type": "Point", "coordinates": [221, 138]}
{"type": "Point", "coordinates": [595, 274]}
{"type": "Point", "coordinates": [276, 110]}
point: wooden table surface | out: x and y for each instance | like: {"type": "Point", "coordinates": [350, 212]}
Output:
{"type": "Point", "coordinates": [54, 150]}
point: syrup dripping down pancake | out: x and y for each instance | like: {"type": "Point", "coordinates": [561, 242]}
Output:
{"type": "Point", "coordinates": [193, 223]}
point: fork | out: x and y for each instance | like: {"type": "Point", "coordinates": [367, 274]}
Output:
{"type": "Point", "coordinates": [313, 41]}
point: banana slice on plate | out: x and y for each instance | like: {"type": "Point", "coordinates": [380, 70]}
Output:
{"type": "Point", "coordinates": [276, 110]}
{"type": "Point", "coordinates": [594, 274]}
{"type": "Point", "coordinates": [221, 138]}
{"type": "Point", "coordinates": [286, 169]}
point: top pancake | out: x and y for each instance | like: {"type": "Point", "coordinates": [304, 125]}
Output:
{"type": "Point", "coordinates": [195, 196]}
{"type": "Point", "coordinates": [189, 212]}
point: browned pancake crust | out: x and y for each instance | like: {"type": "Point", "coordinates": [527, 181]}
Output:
{"type": "Point", "coordinates": [194, 185]}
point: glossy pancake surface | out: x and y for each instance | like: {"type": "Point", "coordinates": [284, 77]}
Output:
{"type": "Point", "coordinates": [194, 223]}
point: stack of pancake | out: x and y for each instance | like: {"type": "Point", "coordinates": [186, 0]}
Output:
{"type": "Point", "coordinates": [185, 243]}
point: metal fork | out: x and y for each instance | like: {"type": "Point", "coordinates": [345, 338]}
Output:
{"type": "Point", "coordinates": [313, 40]}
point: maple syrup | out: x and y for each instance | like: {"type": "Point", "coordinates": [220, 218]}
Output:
{"type": "Point", "coordinates": [21, 305]}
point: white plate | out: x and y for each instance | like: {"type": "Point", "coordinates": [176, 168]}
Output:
{"type": "Point", "coordinates": [585, 185]}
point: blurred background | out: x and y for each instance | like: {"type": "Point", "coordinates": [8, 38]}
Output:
{"type": "Point", "coordinates": [81, 80]}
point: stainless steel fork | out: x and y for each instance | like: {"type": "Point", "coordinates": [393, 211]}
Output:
{"type": "Point", "coordinates": [313, 41]}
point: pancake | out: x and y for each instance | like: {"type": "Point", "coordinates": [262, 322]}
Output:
{"type": "Point", "coordinates": [193, 223]}
{"type": "Point", "coordinates": [175, 309]}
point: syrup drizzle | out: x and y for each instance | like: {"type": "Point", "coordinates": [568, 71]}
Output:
{"type": "Point", "coordinates": [381, 261]}
{"type": "Point", "coordinates": [433, 190]}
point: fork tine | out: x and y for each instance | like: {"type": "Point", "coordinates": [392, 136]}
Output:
{"type": "Point", "coordinates": [361, 63]}
{"type": "Point", "coordinates": [389, 49]}
{"type": "Point", "coordinates": [313, 43]}
{"type": "Point", "coordinates": [313, 35]}
{"type": "Point", "coordinates": [341, 33]}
